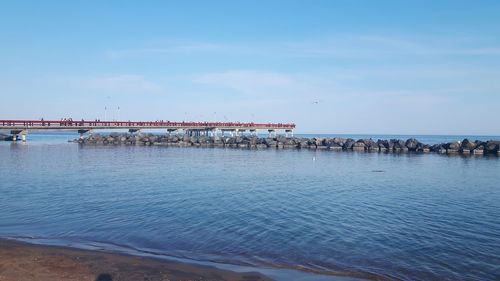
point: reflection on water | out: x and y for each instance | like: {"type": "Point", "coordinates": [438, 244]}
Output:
{"type": "Point", "coordinates": [425, 217]}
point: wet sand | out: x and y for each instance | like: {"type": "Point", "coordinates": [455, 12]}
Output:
{"type": "Point", "coordinates": [22, 262]}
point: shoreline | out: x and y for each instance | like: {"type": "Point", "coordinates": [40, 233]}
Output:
{"type": "Point", "coordinates": [23, 260]}
{"type": "Point", "coordinates": [26, 261]}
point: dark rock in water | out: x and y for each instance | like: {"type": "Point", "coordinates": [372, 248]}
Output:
{"type": "Point", "coordinates": [336, 146]}
{"type": "Point", "coordinates": [479, 150]}
{"type": "Point", "coordinates": [367, 144]}
{"type": "Point", "coordinates": [383, 144]}
{"type": "Point", "coordinates": [453, 145]}
{"type": "Point", "coordinates": [465, 151]}
{"type": "Point", "coordinates": [359, 145]}
{"type": "Point", "coordinates": [272, 143]}
{"type": "Point", "coordinates": [412, 144]}
{"type": "Point", "coordinates": [339, 141]}
{"type": "Point", "coordinates": [304, 144]}
{"type": "Point", "coordinates": [439, 148]}
{"type": "Point", "coordinates": [349, 144]}
{"type": "Point", "coordinates": [398, 145]}
{"type": "Point", "coordinates": [4, 137]}
{"type": "Point", "coordinates": [466, 144]}
{"type": "Point", "coordinates": [435, 147]}
{"type": "Point", "coordinates": [491, 147]}
{"type": "Point", "coordinates": [328, 142]}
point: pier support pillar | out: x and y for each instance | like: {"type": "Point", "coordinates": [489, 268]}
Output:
{"type": "Point", "coordinates": [271, 132]}
{"type": "Point", "coordinates": [215, 132]}
{"type": "Point", "coordinates": [15, 134]}
{"type": "Point", "coordinates": [82, 132]}
{"type": "Point", "coordinates": [136, 132]}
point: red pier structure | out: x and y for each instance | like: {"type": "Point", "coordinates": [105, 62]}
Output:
{"type": "Point", "coordinates": [21, 127]}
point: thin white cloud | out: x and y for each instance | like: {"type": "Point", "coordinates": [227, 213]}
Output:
{"type": "Point", "coordinates": [124, 83]}
{"type": "Point", "coordinates": [201, 47]}
{"type": "Point", "coordinates": [247, 81]}
{"type": "Point", "coordinates": [344, 46]}
{"type": "Point", "coordinates": [475, 51]}
{"type": "Point", "coordinates": [331, 86]}
{"type": "Point", "coordinates": [373, 46]}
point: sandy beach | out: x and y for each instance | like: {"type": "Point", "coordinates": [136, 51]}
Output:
{"type": "Point", "coordinates": [22, 262]}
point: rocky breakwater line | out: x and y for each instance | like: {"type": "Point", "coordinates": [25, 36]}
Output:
{"type": "Point", "coordinates": [4, 137]}
{"type": "Point", "coordinates": [464, 147]}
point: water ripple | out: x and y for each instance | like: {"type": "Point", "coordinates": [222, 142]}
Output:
{"type": "Point", "coordinates": [426, 217]}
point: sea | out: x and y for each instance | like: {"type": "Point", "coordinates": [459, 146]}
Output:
{"type": "Point", "coordinates": [291, 214]}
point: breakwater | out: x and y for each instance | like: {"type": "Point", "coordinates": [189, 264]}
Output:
{"type": "Point", "coordinates": [4, 137]}
{"type": "Point", "coordinates": [465, 147]}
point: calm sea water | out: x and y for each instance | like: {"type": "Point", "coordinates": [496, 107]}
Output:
{"type": "Point", "coordinates": [409, 216]}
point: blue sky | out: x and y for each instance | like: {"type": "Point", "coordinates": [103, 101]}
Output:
{"type": "Point", "coordinates": [399, 67]}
